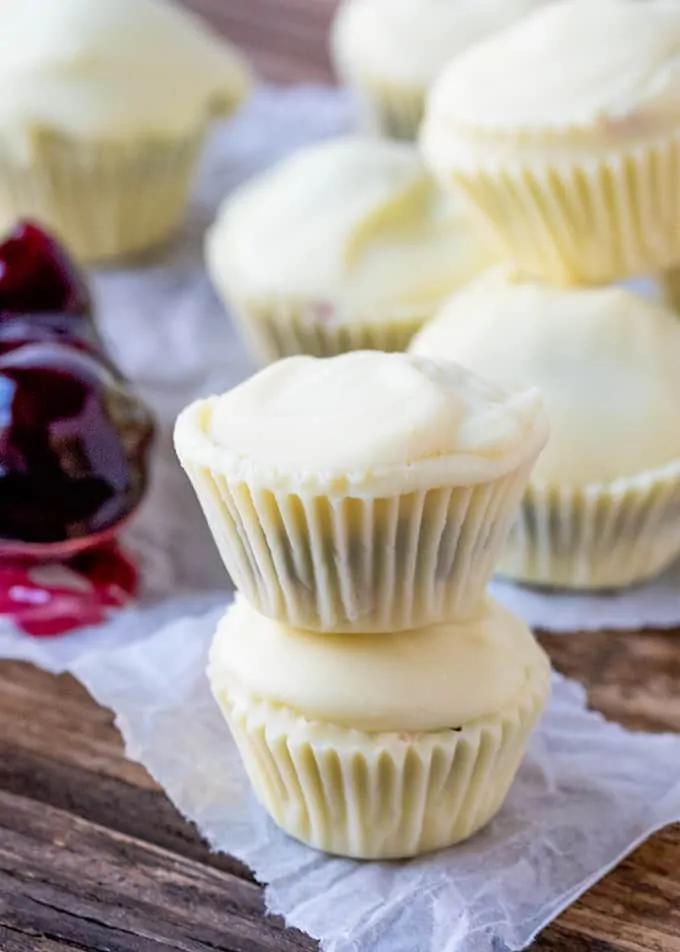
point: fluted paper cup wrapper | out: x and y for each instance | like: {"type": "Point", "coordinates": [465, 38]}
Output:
{"type": "Point", "coordinates": [356, 564]}
{"type": "Point", "coordinates": [385, 109]}
{"type": "Point", "coordinates": [590, 220]}
{"type": "Point", "coordinates": [382, 108]}
{"type": "Point", "coordinates": [384, 795]}
{"type": "Point", "coordinates": [104, 200]}
{"type": "Point", "coordinates": [670, 288]}
{"type": "Point", "coordinates": [276, 328]}
{"type": "Point", "coordinates": [601, 536]}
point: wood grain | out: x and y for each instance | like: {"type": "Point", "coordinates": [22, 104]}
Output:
{"type": "Point", "coordinates": [633, 677]}
{"type": "Point", "coordinates": [69, 880]}
{"type": "Point", "coordinates": [94, 858]}
{"type": "Point", "coordinates": [287, 40]}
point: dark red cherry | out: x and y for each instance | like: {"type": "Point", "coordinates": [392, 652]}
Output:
{"type": "Point", "coordinates": [38, 276]}
{"type": "Point", "coordinates": [74, 444]}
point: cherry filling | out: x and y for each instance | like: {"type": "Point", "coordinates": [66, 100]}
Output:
{"type": "Point", "coordinates": [36, 275]}
{"type": "Point", "coordinates": [73, 446]}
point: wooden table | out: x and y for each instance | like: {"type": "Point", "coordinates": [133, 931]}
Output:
{"type": "Point", "coordinates": [94, 858]}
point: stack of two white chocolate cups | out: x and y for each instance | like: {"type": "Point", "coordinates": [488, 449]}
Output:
{"type": "Point", "coordinates": [380, 700]}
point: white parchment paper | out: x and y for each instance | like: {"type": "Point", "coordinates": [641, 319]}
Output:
{"type": "Point", "coordinates": [587, 794]}
{"type": "Point", "coordinates": [169, 333]}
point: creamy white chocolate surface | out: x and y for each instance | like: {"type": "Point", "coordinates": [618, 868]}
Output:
{"type": "Point", "coordinates": [428, 679]}
{"type": "Point", "coordinates": [407, 42]}
{"type": "Point", "coordinates": [111, 69]}
{"type": "Point", "coordinates": [352, 227]}
{"type": "Point", "coordinates": [380, 421]}
{"type": "Point", "coordinates": [606, 362]}
{"type": "Point", "coordinates": [611, 67]}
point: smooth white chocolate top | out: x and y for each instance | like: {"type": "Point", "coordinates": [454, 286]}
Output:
{"type": "Point", "coordinates": [111, 69]}
{"type": "Point", "coordinates": [428, 679]}
{"type": "Point", "coordinates": [367, 419]}
{"type": "Point", "coordinates": [606, 362]}
{"type": "Point", "coordinates": [407, 42]}
{"type": "Point", "coordinates": [609, 66]}
{"type": "Point", "coordinates": [352, 227]}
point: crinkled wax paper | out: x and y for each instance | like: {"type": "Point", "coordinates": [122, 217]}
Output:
{"type": "Point", "coordinates": [169, 333]}
{"type": "Point", "coordinates": [587, 794]}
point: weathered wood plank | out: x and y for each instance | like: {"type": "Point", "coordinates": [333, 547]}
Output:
{"type": "Point", "coordinates": [13, 940]}
{"type": "Point", "coordinates": [287, 42]}
{"type": "Point", "coordinates": [55, 716]}
{"type": "Point", "coordinates": [632, 677]}
{"type": "Point", "coordinates": [64, 879]}
{"type": "Point", "coordinates": [46, 854]}
{"type": "Point", "coordinates": [143, 813]}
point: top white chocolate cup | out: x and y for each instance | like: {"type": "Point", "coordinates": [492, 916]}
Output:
{"type": "Point", "coordinates": [367, 492]}
{"type": "Point", "coordinates": [568, 147]}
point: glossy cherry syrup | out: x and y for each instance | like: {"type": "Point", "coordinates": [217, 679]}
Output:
{"type": "Point", "coordinates": [37, 276]}
{"type": "Point", "coordinates": [74, 438]}
{"type": "Point", "coordinates": [73, 446]}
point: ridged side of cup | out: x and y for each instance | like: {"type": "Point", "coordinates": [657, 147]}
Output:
{"type": "Point", "coordinates": [273, 329]}
{"type": "Point", "coordinates": [395, 112]}
{"type": "Point", "coordinates": [580, 219]}
{"type": "Point", "coordinates": [596, 537]}
{"type": "Point", "coordinates": [670, 288]}
{"type": "Point", "coordinates": [360, 564]}
{"type": "Point", "coordinates": [385, 795]}
{"type": "Point", "coordinates": [104, 200]}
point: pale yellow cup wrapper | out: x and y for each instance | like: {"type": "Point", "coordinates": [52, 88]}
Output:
{"type": "Point", "coordinates": [368, 492]}
{"type": "Point", "coordinates": [384, 794]}
{"type": "Point", "coordinates": [360, 564]}
{"type": "Point", "coordinates": [580, 220]}
{"type": "Point", "coordinates": [385, 110]}
{"type": "Point", "coordinates": [596, 537]}
{"type": "Point", "coordinates": [103, 201]}
{"type": "Point", "coordinates": [276, 328]}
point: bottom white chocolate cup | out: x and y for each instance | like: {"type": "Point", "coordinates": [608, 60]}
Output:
{"type": "Point", "coordinates": [600, 536]}
{"type": "Point", "coordinates": [273, 329]}
{"type": "Point", "coordinates": [104, 200]}
{"type": "Point", "coordinates": [381, 795]}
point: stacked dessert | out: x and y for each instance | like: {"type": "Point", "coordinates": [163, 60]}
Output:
{"type": "Point", "coordinates": [380, 699]}
{"type": "Point", "coordinates": [568, 151]}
